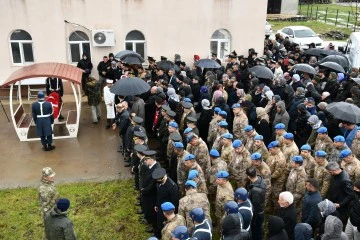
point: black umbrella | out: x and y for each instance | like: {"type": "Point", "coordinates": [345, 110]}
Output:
{"type": "Point", "coordinates": [333, 66]}
{"type": "Point", "coordinates": [345, 111]}
{"type": "Point", "coordinates": [314, 52]}
{"type": "Point", "coordinates": [129, 57]}
{"type": "Point", "coordinates": [357, 80]}
{"type": "Point", "coordinates": [306, 68]}
{"type": "Point", "coordinates": [167, 65]}
{"type": "Point", "coordinates": [207, 63]}
{"type": "Point", "coordinates": [341, 60]}
{"type": "Point", "coordinates": [330, 52]}
{"type": "Point", "coordinates": [130, 87]}
{"type": "Point", "coordinates": [262, 72]}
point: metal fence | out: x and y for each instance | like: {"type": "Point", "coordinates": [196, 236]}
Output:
{"type": "Point", "coordinates": [329, 15]}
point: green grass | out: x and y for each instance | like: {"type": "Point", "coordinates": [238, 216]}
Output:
{"type": "Point", "coordinates": [99, 211]}
{"type": "Point", "coordinates": [345, 14]}
{"type": "Point", "coordinates": [318, 27]}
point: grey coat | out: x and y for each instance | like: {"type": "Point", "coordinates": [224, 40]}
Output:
{"type": "Point", "coordinates": [58, 226]}
{"type": "Point", "coordinates": [283, 116]}
{"type": "Point", "coordinates": [333, 229]}
{"type": "Point", "coordinates": [138, 107]}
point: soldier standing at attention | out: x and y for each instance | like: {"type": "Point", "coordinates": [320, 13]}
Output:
{"type": "Point", "coordinates": [224, 194]}
{"type": "Point", "coordinates": [42, 113]}
{"type": "Point", "coordinates": [321, 174]}
{"type": "Point", "coordinates": [227, 149]}
{"type": "Point", "coordinates": [172, 220]}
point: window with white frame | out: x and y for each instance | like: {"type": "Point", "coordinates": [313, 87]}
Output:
{"type": "Point", "coordinates": [220, 43]}
{"type": "Point", "coordinates": [78, 44]}
{"type": "Point", "coordinates": [135, 41]}
{"type": "Point", "coordinates": [21, 46]}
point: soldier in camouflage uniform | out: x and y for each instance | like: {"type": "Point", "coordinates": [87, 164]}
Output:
{"type": "Point", "coordinates": [240, 121]}
{"type": "Point", "coordinates": [172, 220]}
{"type": "Point", "coordinates": [47, 191]}
{"type": "Point", "coordinates": [224, 194]}
{"type": "Point", "coordinates": [277, 164]}
{"type": "Point", "coordinates": [338, 145]}
{"type": "Point", "coordinates": [321, 174]}
{"type": "Point", "coordinates": [355, 146]}
{"type": "Point", "coordinates": [279, 133]}
{"type": "Point", "coordinates": [172, 128]}
{"type": "Point", "coordinates": [263, 170]}
{"type": "Point", "coordinates": [217, 164]}
{"type": "Point", "coordinates": [350, 164]}
{"type": "Point", "coordinates": [323, 141]}
{"type": "Point", "coordinates": [289, 149]}
{"type": "Point", "coordinates": [191, 164]}
{"type": "Point", "coordinates": [296, 183]}
{"type": "Point", "coordinates": [213, 127]}
{"type": "Point", "coordinates": [199, 148]}
{"type": "Point", "coordinates": [181, 170]}
{"type": "Point", "coordinates": [240, 162]}
{"type": "Point", "coordinates": [309, 162]}
{"type": "Point", "coordinates": [193, 199]}
{"type": "Point", "coordinates": [227, 150]}
{"type": "Point", "coordinates": [200, 182]}
{"type": "Point", "coordinates": [222, 129]}
{"type": "Point", "coordinates": [250, 134]}
{"type": "Point", "coordinates": [188, 111]}
{"type": "Point", "coordinates": [259, 146]}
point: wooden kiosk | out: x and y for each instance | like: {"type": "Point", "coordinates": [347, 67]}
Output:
{"type": "Point", "coordinates": [22, 120]}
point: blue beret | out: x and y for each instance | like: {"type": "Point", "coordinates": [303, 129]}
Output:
{"type": "Point", "coordinates": [320, 154]}
{"type": "Point", "coordinates": [187, 100]}
{"type": "Point", "coordinates": [280, 126]}
{"type": "Point", "coordinates": [187, 130]}
{"type": "Point", "coordinates": [339, 139]}
{"type": "Point", "coordinates": [191, 183]}
{"type": "Point", "coordinates": [214, 153]}
{"type": "Point", "coordinates": [248, 128]}
{"type": "Point", "coordinates": [237, 143]}
{"type": "Point", "coordinates": [228, 136]}
{"type": "Point", "coordinates": [223, 124]}
{"type": "Point", "coordinates": [236, 105]}
{"type": "Point", "coordinates": [222, 174]}
{"type": "Point", "coordinates": [345, 153]}
{"type": "Point", "coordinates": [306, 147]}
{"type": "Point", "coordinates": [259, 137]}
{"type": "Point", "coordinates": [223, 113]}
{"type": "Point", "coordinates": [191, 136]}
{"type": "Point", "coordinates": [193, 174]}
{"type": "Point", "coordinates": [255, 156]}
{"type": "Point", "coordinates": [189, 157]}
{"type": "Point", "coordinates": [173, 124]}
{"type": "Point", "coordinates": [297, 159]}
{"type": "Point", "coordinates": [288, 136]}
{"type": "Point", "coordinates": [166, 206]}
{"type": "Point", "coordinates": [178, 145]}
{"type": "Point", "coordinates": [273, 144]}
{"type": "Point", "coordinates": [322, 130]}
{"type": "Point", "coordinates": [217, 109]}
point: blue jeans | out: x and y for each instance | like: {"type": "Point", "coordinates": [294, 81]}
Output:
{"type": "Point", "coordinates": [303, 231]}
{"type": "Point", "coordinates": [256, 226]}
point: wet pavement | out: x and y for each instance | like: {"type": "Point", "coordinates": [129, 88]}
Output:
{"type": "Point", "coordinates": [92, 156]}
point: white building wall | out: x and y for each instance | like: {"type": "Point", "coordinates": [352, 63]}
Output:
{"type": "Point", "coordinates": [169, 26]}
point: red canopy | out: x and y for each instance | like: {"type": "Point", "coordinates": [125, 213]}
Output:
{"type": "Point", "coordinates": [55, 70]}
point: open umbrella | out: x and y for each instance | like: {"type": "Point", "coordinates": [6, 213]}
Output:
{"type": "Point", "coordinates": [314, 52]}
{"type": "Point", "coordinates": [130, 57]}
{"type": "Point", "coordinates": [306, 68]}
{"type": "Point", "coordinates": [130, 87]}
{"type": "Point", "coordinates": [333, 66]}
{"type": "Point", "coordinates": [330, 52]}
{"type": "Point", "coordinates": [207, 63]}
{"type": "Point", "coordinates": [262, 72]}
{"type": "Point", "coordinates": [357, 80]}
{"type": "Point", "coordinates": [339, 59]}
{"type": "Point", "coordinates": [345, 111]}
{"type": "Point", "coordinates": [167, 65]}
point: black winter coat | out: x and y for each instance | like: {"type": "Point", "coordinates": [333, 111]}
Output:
{"type": "Point", "coordinates": [257, 192]}
{"type": "Point", "coordinates": [310, 208]}
{"type": "Point", "coordinates": [289, 216]}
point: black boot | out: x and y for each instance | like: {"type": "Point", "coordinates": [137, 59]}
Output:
{"type": "Point", "coordinates": [50, 147]}
{"type": "Point", "coordinates": [108, 125]}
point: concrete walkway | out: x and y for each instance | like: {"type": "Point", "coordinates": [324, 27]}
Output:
{"type": "Point", "coordinates": [92, 156]}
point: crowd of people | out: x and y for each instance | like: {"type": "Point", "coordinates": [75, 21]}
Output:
{"type": "Point", "coordinates": [222, 150]}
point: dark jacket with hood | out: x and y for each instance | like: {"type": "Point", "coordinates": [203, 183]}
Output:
{"type": "Point", "coordinates": [276, 229]}
{"type": "Point", "coordinates": [289, 216]}
{"type": "Point", "coordinates": [257, 192]}
{"type": "Point", "coordinates": [231, 228]}
{"type": "Point", "coordinates": [332, 86]}
{"type": "Point", "coordinates": [58, 226]}
{"type": "Point", "coordinates": [311, 92]}
{"type": "Point", "coordinates": [344, 92]}
{"type": "Point", "coordinates": [293, 111]}
{"type": "Point", "coordinates": [301, 126]}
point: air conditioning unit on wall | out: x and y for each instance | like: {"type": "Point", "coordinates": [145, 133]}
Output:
{"type": "Point", "coordinates": [103, 38]}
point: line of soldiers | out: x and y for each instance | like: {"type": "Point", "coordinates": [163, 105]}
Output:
{"type": "Point", "coordinates": [206, 179]}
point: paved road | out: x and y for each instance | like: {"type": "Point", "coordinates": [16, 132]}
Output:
{"type": "Point", "coordinates": [90, 157]}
